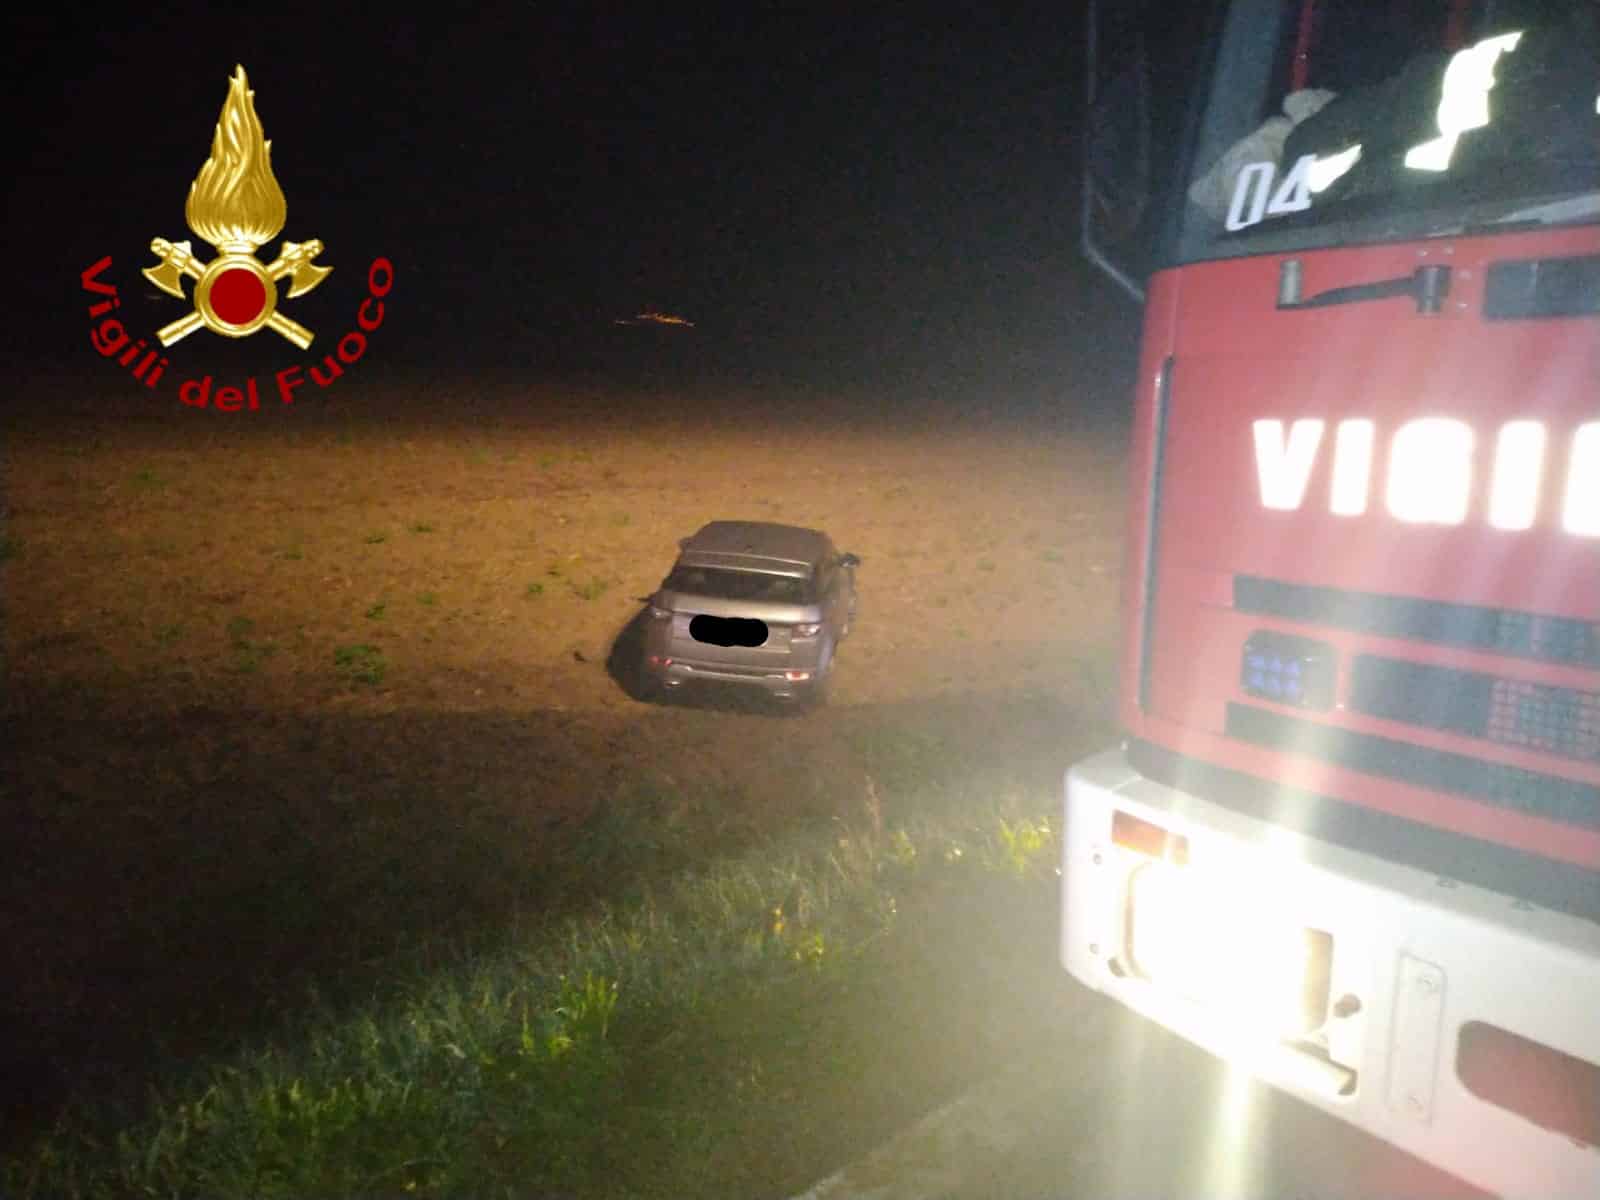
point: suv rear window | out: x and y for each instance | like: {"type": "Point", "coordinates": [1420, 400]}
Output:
{"type": "Point", "coordinates": [729, 584]}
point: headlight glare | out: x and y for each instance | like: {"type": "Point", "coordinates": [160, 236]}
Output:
{"type": "Point", "coordinates": [1207, 939]}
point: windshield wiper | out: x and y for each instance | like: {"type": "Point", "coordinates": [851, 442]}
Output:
{"type": "Point", "coordinates": [1428, 285]}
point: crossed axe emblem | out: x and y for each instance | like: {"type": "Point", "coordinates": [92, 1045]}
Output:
{"type": "Point", "coordinates": [234, 294]}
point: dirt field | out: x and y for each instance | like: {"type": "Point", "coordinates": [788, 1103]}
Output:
{"type": "Point", "coordinates": [290, 689]}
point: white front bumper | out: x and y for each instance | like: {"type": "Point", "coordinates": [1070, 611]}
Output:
{"type": "Point", "coordinates": [1420, 955]}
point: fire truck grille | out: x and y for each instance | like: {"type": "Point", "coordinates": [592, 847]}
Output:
{"type": "Point", "coordinates": [1496, 630]}
{"type": "Point", "coordinates": [1532, 716]}
{"type": "Point", "coordinates": [1531, 792]}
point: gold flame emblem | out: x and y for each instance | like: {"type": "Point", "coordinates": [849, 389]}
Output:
{"type": "Point", "coordinates": [236, 205]}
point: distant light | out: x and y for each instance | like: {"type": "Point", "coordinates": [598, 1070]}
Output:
{"type": "Point", "coordinates": [655, 318]}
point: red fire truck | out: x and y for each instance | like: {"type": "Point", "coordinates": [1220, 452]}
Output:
{"type": "Point", "coordinates": [1351, 841]}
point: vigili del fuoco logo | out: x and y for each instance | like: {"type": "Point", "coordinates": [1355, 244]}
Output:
{"type": "Point", "coordinates": [236, 206]}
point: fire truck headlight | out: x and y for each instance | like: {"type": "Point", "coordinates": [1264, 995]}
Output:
{"type": "Point", "coordinates": [1214, 941]}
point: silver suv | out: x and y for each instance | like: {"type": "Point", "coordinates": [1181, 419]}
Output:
{"type": "Point", "coordinates": [754, 604]}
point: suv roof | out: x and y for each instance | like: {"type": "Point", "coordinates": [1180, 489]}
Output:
{"type": "Point", "coordinates": [755, 544]}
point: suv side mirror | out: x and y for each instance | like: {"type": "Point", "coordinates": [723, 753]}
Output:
{"type": "Point", "coordinates": [849, 560]}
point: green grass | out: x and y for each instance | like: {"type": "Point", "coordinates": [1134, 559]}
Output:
{"type": "Point", "coordinates": [533, 589]}
{"type": "Point", "coordinates": [592, 590]}
{"type": "Point", "coordinates": [376, 539]}
{"type": "Point", "coordinates": [361, 665]}
{"type": "Point", "coordinates": [421, 527]}
{"type": "Point", "coordinates": [248, 655]}
{"type": "Point", "coordinates": [706, 1023]}
{"type": "Point", "coordinates": [428, 599]}
{"type": "Point", "coordinates": [375, 613]}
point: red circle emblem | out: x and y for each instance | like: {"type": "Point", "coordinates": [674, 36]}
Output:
{"type": "Point", "coordinates": [238, 296]}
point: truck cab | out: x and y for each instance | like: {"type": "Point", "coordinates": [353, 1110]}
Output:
{"type": "Point", "coordinates": [1352, 836]}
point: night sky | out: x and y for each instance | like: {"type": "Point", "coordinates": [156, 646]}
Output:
{"type": "Point", "coordinates": [856, 188]}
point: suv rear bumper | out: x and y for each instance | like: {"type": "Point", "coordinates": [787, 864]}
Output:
{"type": "Point", "coordinates": [775, 681]}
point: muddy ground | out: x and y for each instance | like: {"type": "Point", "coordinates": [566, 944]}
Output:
{"type": "Point", "coordinates": [293, 691]}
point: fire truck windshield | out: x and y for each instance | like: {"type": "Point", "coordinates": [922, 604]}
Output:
{"type": "Point", "coordinates": [1337, 122]}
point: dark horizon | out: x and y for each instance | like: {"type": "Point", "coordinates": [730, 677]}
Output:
{"type": "Point", "coordinates": [887, 196]}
